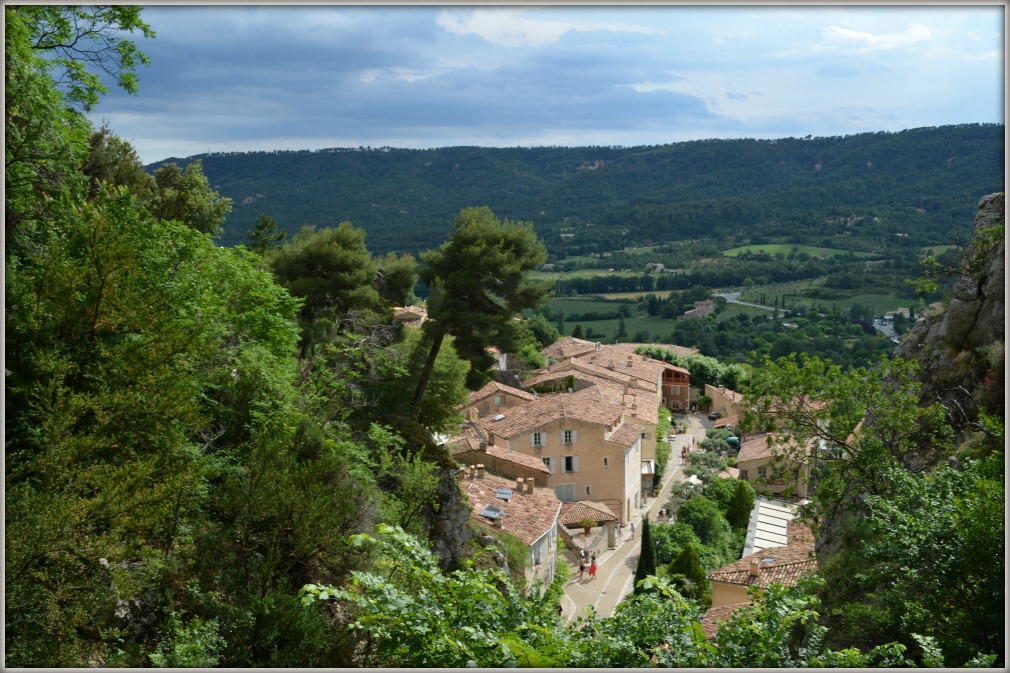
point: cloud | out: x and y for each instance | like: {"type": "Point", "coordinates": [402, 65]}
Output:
{"type": "Point", "coordinates": [914, 34]}
{"type": "Point", "coordinates": [509, 27]}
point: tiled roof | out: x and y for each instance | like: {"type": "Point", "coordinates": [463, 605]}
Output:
{"type": "Point", "coordinates": [625, 435]}
{"type": "Point", "coordinates": [626, 362]}
{"type": "Point", "coordinates": [711, 620]}
{"type": "Point", "coordinates": [682, 351]}
{"type": "Point", "coordinates": [494, 388]}
{"type": "Point", "coordinates": [410, 315]}
{"type": "Point", "coordinates": [549, 408]}
{"type": "Point", "coordinates": [518, 458]}
{"type": "Point", "coordinates": [729, 473]}
{"type": "Point", "coordinates": [778, 565]}
{"type": "Point", "coordinates": [726, 422]}
{"type": "Point", "coordinates": [567, 347]}
{"type": "Point", "coordinates": [581, 369]}
{"type": "Point", "coordinates": [761, 445]}
{"type": "Point", "coordinates": [731, 395]}
{"type": "Point", "coordinates": [573, 512]}
{"type": "Point", "coordinates": [527, 515]}
{"type": "Point", "coordinates": [638, 403]}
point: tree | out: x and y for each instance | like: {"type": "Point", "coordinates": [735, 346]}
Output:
{"type": "Point", "coordinates": [395, 278]}
{"type": "Point", "coordinates": [686, 569]}
{"type": "Point", "coordinates": [114, 161]}
{"type": "Point", "coordinates": [187, 197]}
{"type": "Point", "coordinates": [478, 283]}
{"type": "Point", "coordinates": [646, 559]}
{"type": "Point", "coordinates": [330, 268]}
{"type": "Point", "coordinates": [708, 523]}
{"type": "Point", "coordinates": [543, 331]}
{"type": "Point", "coordinates": [265, 234]}
{"type": "Point", "coordinates": [740, 505]}
{"type": "Point", "coordinates": [577, 331]}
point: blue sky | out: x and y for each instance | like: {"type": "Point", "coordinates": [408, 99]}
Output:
{"type": "Point", "coordinates": [247, 77]}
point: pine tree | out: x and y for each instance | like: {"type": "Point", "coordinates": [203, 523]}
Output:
{"type": "Point", "coordinates": [740, 505]}
{"type": "Point", "coordinates": [686, 569]}
{"type": "Point", "coordinates": [647, 558]}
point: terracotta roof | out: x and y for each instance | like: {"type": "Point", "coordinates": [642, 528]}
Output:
{"type": "Point", "coordinates": [625, 435]}
{"type": "Point", "coordinates": [626, 362]}
{"type": "Point", "coordinates": [638, 403]}
{"type": "Point", "coordinates": [725, 422]}
{"type": "Point", "coordinates": [682, 351]}
{"type": "Point", "coordinates": [731, 395]}
{"type": "Point", "coordinates": [778, 565]}
{"type": "Point", "coordinates": [580, 370]}
{"type": "Point", "coordinates": [729, 473]}
{"type": "Point", "coordinates": [494, 388]}
{"type": "Point", "coordinates": [549, 408]}
{"type": "Point", "coordinates": [572, 512]}
{"type": "Point", "coordinates": [562, 349]}
{"type": "Point", "coordinates": [527, 515]}
{"type": "Point", "coordinates": [761, 445]}
{"type": "Point", "coordinates": [410, 315]}
{"type": "Point", "coordinates": [711, 620]}
{"type": "Point", "coordinates": [516, 457]}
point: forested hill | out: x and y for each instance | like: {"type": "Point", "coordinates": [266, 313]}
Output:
{"type": "Point", "coordinates": [922, 182]}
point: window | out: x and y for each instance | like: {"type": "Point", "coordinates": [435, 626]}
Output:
{"type": "Point", "coordinates": [675, 390]}
{"type": "Point", "coordinates": [627, 456]}
{"type": "Point", "coordinates": [570, 464]}
{"type": "Point", "coordinates": [498, 400]}
{"type": "Point", "coordinates": [762, 472]}
{"type": "Point", "coordinates": [606, 462]}
{"type": "Point", "coordinates": [549, 463]}
{"type": "Point", "coordinates": [565, 492]}
{"type": "Point", "coordinates": [743, 474]}
{"type": "Point", "coordinates": [645, 435]}
{"type": "Point", "coordinates": [567, 436]}
{"type": "Point", "coordinates": [588, 492]}
{"type": "Point", "coordinates": [537, 439]}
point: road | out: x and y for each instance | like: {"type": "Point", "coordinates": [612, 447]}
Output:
{"type": "Point", "coordinates": [733, 298]}
{"type": "Point", "coordinates": [616, 567]}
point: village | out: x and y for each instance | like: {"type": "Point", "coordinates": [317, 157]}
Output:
{"type": "Point", "coordinates": [570, 455]}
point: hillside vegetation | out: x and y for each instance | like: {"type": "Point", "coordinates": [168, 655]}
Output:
{"type": "Point", "coordinates": [859, 190]}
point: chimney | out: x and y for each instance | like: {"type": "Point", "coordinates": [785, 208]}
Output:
{"type": "Point", "coordinates": [520, 485]}
{"type": "Point", "coordinates": [470, 471]}
{"type": "Point", "coordinates": [755, 568]}
{"type": "Point", "coordinates": [529, 484]}
{"type": "Point", "coordinates": [482, 447]}
{"type": "Point", "coordinates": [473, 414]}
{"type": "Point", "coordinates": [461, 473]}
{"type": "Point", "coordinates": [480, 470]}
{"type": "Point", "coordinates": [490, 438]}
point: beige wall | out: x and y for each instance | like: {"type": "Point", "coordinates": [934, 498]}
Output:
{"type": "Point", "coordinates": [728, 594]}
{"type": "Point", "coordinates": [721, 403]}
{"type": "Point", "coordinates": [616, 483]}
{"type": "Point", "coordinates": [486, 408]}
{"type": "Point", "coordinates": [795, 476]}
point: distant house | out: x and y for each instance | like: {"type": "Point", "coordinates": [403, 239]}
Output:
{"type": "Point", "coordinates": [413, 316]}
{"type": "Point", "coordinates": [701, 309]}
{"type": "Point", "coordinates": [725, 402]}
{"type": "Point", "coordinates": [773, 468]}
{"type": "Point", "coordinates": [495, 397]}
{"type": "Point", "coordinates": [519, 508]}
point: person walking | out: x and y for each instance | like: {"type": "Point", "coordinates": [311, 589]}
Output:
{"type": "Point", "coordinates": [592, 570]}
{"type": "Point", "coordinates": [632, 530]}
{"type": "Point", "coordinates": [582, 570]}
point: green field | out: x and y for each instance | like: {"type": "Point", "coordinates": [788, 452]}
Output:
{"type": "Point", "coordinates": [787, 248]}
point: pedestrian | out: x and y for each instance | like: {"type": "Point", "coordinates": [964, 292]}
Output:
{"type": "Point", "coordinates": [560, 610]}
{"type": "Point", "coordinates": [618, 530]}
{"type": "Point", "coordinates": [592, 571]}
{"type": "Point", "coordinates": [593, 558]}
{"type": "Point", "coordinates": [582, 570]}
{"type": "Point", "coordinates": [632, 530]}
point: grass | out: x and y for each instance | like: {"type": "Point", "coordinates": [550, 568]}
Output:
{"type": "Point", "coordinates": [787, 248]}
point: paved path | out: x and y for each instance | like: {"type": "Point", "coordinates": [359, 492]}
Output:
{"type": "Point", "coordinates": [734, 298]}
{"type": "Point", "coordinates": [616, 567]}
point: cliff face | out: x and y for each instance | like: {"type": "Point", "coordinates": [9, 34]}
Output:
{"type": "Point", "coordinates": [960, 350]}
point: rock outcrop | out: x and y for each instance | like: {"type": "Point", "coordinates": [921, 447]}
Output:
{"type": "Point", "coordinates": [960, 350]}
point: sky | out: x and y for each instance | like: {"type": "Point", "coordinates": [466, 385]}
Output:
{"type": "Point", "coordinates": [233, 78]}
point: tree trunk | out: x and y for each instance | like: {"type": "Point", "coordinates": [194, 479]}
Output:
{"type": "Point", "coordinates": [429, 366]}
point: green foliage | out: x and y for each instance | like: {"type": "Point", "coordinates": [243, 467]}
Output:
{"type": "Point", "coordinates": [646, 565]}
{"type": "Point", "coordinates": [933, 551]}
{"type": "Point", "coordinates": [188, 645]}
{"type": "Point", "coordinates": [395, 278]}
{"type": "Point", "coordinates": [114, 161]}
{"type": "Point", "coordinates": [704, 518]}
{"type": "Point", "coordinates": [264, 234]}
{"type": "Point", "coordinates": [414, 615]}
{"type": "Point", "coordinates": [720, 491]}
{"type": "Point", "coordinates": [543, 331]}
{"type": "Point", "coordinates": [686, 571]}
{"type": "Point", "coordinates": [186, 196]}
{"type": "Point", "coordinates": [478, 284]}
{"type": "Point", "coordinates": [740, 505]}
{"type": "Point", "coordinates": [330, 268]}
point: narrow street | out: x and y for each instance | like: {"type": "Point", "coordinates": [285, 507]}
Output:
{"type": "Point", "coordinates": [616, 567]}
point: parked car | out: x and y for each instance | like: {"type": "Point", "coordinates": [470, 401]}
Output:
{"type": "Point", "coordinates": [713, 415]}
